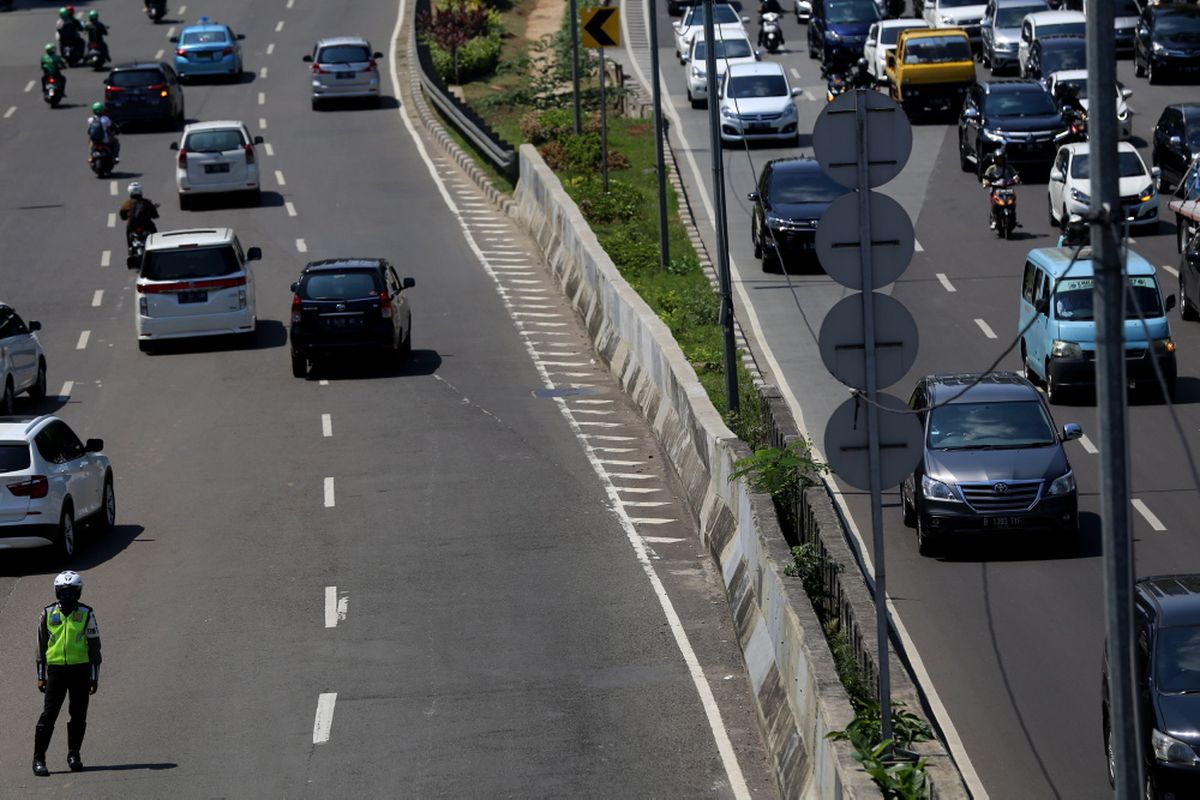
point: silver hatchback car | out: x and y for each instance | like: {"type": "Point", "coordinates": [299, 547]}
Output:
{"type": "Point", "coordinates": [344, 67]}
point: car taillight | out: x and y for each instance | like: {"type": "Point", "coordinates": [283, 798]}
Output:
{"type": "Point", "coordinates": [228, 51]}
{"type": "Point", "coordinates": [249, 153]}
{"type": "Point", "coordinates": [109, 91]}
{"type": "Point", "coordinates": [295, 308]}
{"type": "Point", "coordinates": [181, 52]}
{"type": "Point", "coordinates": [35, 488]}
{"type": "Point", "coordinates": [385, 305]}
{"type": "Point", "coordinates": [182, 158]}
{"type": "Point", "coordinates": [371, 66]}
{"type": "Point", "coordinates": [317, 70]}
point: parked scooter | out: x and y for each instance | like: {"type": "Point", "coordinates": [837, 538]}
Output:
{"type": "Point", "coordinates": [101, 159]}
{"type": "Point", "coordinates": [770, 35]}
{"type": "Point", "coordinates": [52, 91]}
{"type": "Point", "coordinates": [156, 10]}
{"type": "Point", "coordinates": [1004, 206]}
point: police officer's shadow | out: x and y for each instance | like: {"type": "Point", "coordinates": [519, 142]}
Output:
{"type": "Point", "coordinates": [93, 547]}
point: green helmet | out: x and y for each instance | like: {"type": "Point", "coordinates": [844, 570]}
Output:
{"type": "Point", "coordinates": [97, 108]}
{"type": "Point", "coordinates": [50, 48]}
{"type": "Point", "coordinates": [93, 15]}
{"type": "Point", "coordinates": [62, 12]}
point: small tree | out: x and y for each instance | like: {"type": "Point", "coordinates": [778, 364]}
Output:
{"type": "Point", "coordinates": [453, 25]}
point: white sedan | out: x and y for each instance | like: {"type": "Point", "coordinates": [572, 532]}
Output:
{"type": "Point", "coordinates": [22, 362]}
{"type": "Point", "coordinates": [1078, 78]}
{"type": "Point", "coordinates": [217, 158]}
{"type": "Point", "coordinates": [727, 52]}
{"type": "Point", "coordinates": [728, 25]}
{"type": "Point", "coordinates": [1070, 185]}
{"type": "Point", "coordinates": [881, 39]}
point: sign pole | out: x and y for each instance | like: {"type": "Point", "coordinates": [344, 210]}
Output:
{"type": "Point", "coordinates": [664, 253]}
{"type": "Point", "coordinates": [603, 125]}
{"type": "Point", "coordinates": [575, 63]}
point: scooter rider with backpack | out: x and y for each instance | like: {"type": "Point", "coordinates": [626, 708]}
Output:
{"type": "Point", "coordinates": [102, 130]}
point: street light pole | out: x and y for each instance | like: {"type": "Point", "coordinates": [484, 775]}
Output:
{"type": "Point", "coordinates": [575, 63]}
{"type": "Point", "coordinates": [664, 255]}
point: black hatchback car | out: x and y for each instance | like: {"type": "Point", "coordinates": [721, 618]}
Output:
{"type": "Point", "coordinates": [1166, 41]}
{"type": "Point", "coordinates": [792, 195]}
{"type": "Point", "coordinates": [1167, 666]}
{"type": "Point", "coordinates": [1175, 142]}
{"type": "Point", "coordinates": [349, 304]}
{"type": "Point", "coordinates": [1017, 115]}
{"type": "Point", "coordinates": [144, 92]}
{"type": "Point", "coordinates": [1055, 53]}
{"type": "Point", "coordinates": [992, 462]}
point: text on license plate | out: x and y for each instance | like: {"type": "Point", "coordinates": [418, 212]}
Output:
{"type": "Point", "coordinates": [1001, 522]}
{"type": "Point", "coordinates": [203, 55]}
{"type": "Point", "coordinates": [758, 126]}
{"type": "Point", "coordinates": [193, 297]}
{"type": "Point", "coordinates": [342, 75]}
{"type": "Point", "coordinates": [211, 168]}
{"type": "Point", "coordinates": [343, 322]}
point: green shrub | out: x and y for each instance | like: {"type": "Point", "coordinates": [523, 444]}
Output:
{"type": "Point", "coordinates": [476, 59]}
{"type": "Point", "coordinates": [632, 254]}
{"type": "Point", "coordinates": [689, 306]}
{"type": "Point", "coordinates": [622, 203]}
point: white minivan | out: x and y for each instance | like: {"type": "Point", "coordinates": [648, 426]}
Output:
{"type": "Point", "coordinates": [195, 282]}
{"type": "Point", "coordinates": [217, 158]}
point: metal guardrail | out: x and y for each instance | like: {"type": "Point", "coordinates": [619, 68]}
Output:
{"type": "Point", "coordinates": [501, 154]}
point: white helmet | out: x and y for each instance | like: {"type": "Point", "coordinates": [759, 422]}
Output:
{"type": "Point", "coordinates": [68, 578]}
{"type": "Point", "coordinates": [135, 189]}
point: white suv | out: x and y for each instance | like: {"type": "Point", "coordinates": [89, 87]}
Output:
{"type": "Point", "coordinates": [50, 480]}
{"type": "Point", "coordinates": [195, 283]}
{"type": "Point", "coordinates": [217, 158]}
{"type": "Point", "coordinates": [22, 362]}
{"type": "Point", "coordinates": [757, 102]}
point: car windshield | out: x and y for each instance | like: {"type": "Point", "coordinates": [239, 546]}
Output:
{"type": "Point", "coordinates": [14, 456]}
{"type": "Point", "coordinates": [803, 186]}
{"type": "Point", "coordinates": [745, 86]}
{"type": "Point", "coordinates": [1179, 25]}
{"type": "Point", "coordinates": [214, 141]}
{"type": "Point", "coordinates": [1020, 104]}
{"type": "Point", "coordinates": [1193, 133]}
{"type": "Point", "coordinates": [958, 3]}
{"type": "Point", "coordinates": [723, 14]}
{"type": "Point", "coordinates": [890, 35]}
{"type": "Point", "coordinates": [344, 54]}
{"type": "Point", "coordinates": [1011, 16]}
{"type": "Point", "coordinates": [189, 262]}
{"type": "Point", "coordinates": [340, 285]}
{"type": "Point", "coordinates": [970, 426]}
{"type": "Point", "coordinates": [726, 48]}
{"type": "Point", "coordinates": [1131, 166]}
{"type": "Point", "coordinates": [204, 37]}
{"type": "Point", "coordinates": [1061, 29]}
{"type": "Point", "coordinates": [1177, 660]}
{"type": "Point", "coordinates": [128, 78]}
{"type": "Point", "coordinates": [1054, 59]}
{"type": "Point", "coordinates": [937, 50]}
{"type": "Point", "coordinates": [838, 11]}
{"type": "Point", "coordinates": [1073, 299]}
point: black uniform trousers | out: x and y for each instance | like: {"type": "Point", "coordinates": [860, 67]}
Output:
{"type": "Point", "coordinates": [74, 680]}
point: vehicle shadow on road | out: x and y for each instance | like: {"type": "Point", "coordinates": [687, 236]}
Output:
{"type": "Point", "coordinates": [153, 767]}
{"type": "Point", "coordinates": [386, 102]}
{"type": "Point", "coordinates": [422, 362]}
{"type": "Point", "coordinates": [209, 202]}
{"type": "Point", "coordinates": [93, 548]}
{"type": "Point", "coordinates": [271, 334]}
{"type": "Point", "coordinates": [1014, 548]}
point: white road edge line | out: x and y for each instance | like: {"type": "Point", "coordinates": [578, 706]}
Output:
{"type": "Point", "coordinates": [83, 340]}
{"type": "Point", "coordinates": [329, 499]}
{"type": "Point", "coordinates": [1144, 510]}
{"type": "Point", "coordinates": [946, 284]}
{"type": "Point", "coordinates": [712, 711]}
{"type": "Point", "coordinates": [1088, 447]}
{"type": "Point", "coordinates": [987, 329]}
{"type": "Point", "coordinates": [97, 298]}
{"type": "Point", "coordinates": [326, 425]}
{"type": "Point", "coordinates": [324, 719]}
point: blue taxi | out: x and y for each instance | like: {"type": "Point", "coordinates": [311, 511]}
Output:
{"type": "Point", "coordinates": [208, 48]}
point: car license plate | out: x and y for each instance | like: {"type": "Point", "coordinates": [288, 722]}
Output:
{"type": "Point", "coordinates": [343, 75]}
{"type": "Point", "coordinates": [758, 126]}
{"type": "Point", "coordinates": [343, 323]}
{"type": "Point", "coordinates": [1001, 522]}
{"type": "Point", "coordinates": [193, 297]}
{"type": "Point", "coordinates": [211, 168]}
{"type": "Point", "coordinates": [203, 55]}
{"type": "Point", "coordinates": [806, 244]}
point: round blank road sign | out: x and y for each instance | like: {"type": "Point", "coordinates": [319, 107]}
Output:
{"type": "Point", "coordinates": [888, 144]}
{"type": "Point", "coordinates": [838, 243]}
{"type": "Point", "coordinates": [900, 440]}
{"type": "Point", "coordinates": [842, 341]}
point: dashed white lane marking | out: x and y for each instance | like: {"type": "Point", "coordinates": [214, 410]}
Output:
{"type": "Point", "coordinates": [323, 382]}
{"type": "Point", "coordinates": [29, 86]}
{"type": "Point", "coordinates": [262, 98]}
{"type": "Point", "coordinates": [301, 246]}
{"type": "Point", "coordinates": [536, 314]}
{"type": "Point", "coordinates": [65, 391]}
{"type": "Point", "coordinates": [262, 123]}
{"type": "Point", "coordinates": [1155, 522]}
{"type": "Point", "coordinates": [182, 10]}
{"type": "Point", "coordinates": [170, 31]}
{"type": "Point", "coordinates": [336, 607]}
{"type": "Point", "coordinates": [11, 110]}
{"type": "Point", "coordinates": [262, 73]}
{"type": "Point", "coordinates": [329, 500]}
{"type": "Point", "coordinates": [650, 520]}
{"type": "Point", "coordinates": [618, 463]}
{"type": "Point", "coordinates": [97, 298]}
{"type": "Point", "coordinates": [628, 476]}
{"type": "Point", "coordinates": [946, 284]}
{"type": "Point", "coordinates": [324, 720]}
{"type": "Point", "coordinates": [326, 425]}
{"type": "Point", "coordinates": [597, 424]}
{"type": "Point", "coordinates": [1088, 447]}
{"type": "Point", "coordinates": [1171, 270]}
{"type": "Point", "coordinates": [158, 56]}
{"type": "Point", "coordinates": [987, 329]}
{"type": "Point", "coordinates": [795, 73]}
{"type": "Point", "coordinates": [593, 402]}
{"type": "Point", "coordinates": [917, 246]}
{"type": "Point", "coordinates": [588, 410]}
{"type": "Point", "coordinates": [615, 450]}
{"type": "Point", "coordinates": [106, 258]}
{"type": "Point", "coordinates": [112, 188]}
{"type": "Point", "coordinates": [279, 26]}
{"type": "Point", "coordinates": [603, 438]}
{"type": "Point", "coordinates": [83, 340]}
{"type": "Point", "coordinates": [291, 3]}
{"type": "Point", "coordinates": [291, 209]}
{"type": "Point", "coordinates": [542, 333]}
{"type": "Point", "coordinates": [279, 178]}
{"type": "Point", "coordinates": [270, 48]}
{"type": "Point", "coordinates": [112, 220]}
{"type": "Point", "coordinates": [269, 149]}
{"type": "Point", "coordinates": [524, 281]}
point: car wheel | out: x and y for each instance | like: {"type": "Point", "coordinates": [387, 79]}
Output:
{"type": "Point", "coordinates": [1151, 77]}
{"type": "Point", "coordinates": [406, 345]}
{"type": "Point", "coordinates": [299, 366]}
{"type": "Point", "coordinates": [964, 163]}
{"type": "Point", "coordinates": [758, 251]}
{"type": "Point", "coordinates": [695, 103]}
{"type": "Point", "coordinates": [316, 104]}
{"type": "Point", "coordinates": [255, 197]}
{"type": "Point", "coordinates": [185, 202]}
{"type": "Point", "coordinates": [1181, 232]}
{"type": "Point", "coordinates": [1138, 69]}
{"type": "Point", "coordinates": [106, 517]}
{"type": "Point", "coordinates": [908, 510]}
{"type": "Point", "coordinates": [1186, 309]}
{"type": "Point", "coordinates": [9, 399]}
{"type": "Point", "coordinates": [38, 390]}
{"type": "Point", "coordinates": [1050, 213]}
{"type": "Point", "coordinates": [1054, 391]}
{"type": "Point", "coordinates": [812, 51]}
{"type": "Point", "coordinates": [927, 544]}
{"type": "Point", "coordinates": [1026, 368]}
{"type": "Point", "coordinates": [1065, 217]}
{"type": "Point", "coordinates": [66, 534]}
{"type": "Point", "coordinates": [1110, 757]}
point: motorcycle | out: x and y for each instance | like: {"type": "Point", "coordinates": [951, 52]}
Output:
{"type": "Point", "coordinates": [156, 10]}
{"type": "Point", "coordinates": [770, 35]}
{"type": "Point", "coordinates": [72, 51]}
{"type": "Point", "coordinates": [52, 91]}
{"type": "Point", "coordinates": [1076, 129]}
{"type": "Point", "coordinates": [835, 84]}
{"type": "Point", "coordinates": [101, 160]}
{"type": "Point", "coordinates": [137, 247]}
{"type": "Point", "coordinates": [95, 56]}
{"type": "Point", "coordinates": [1004, 206]}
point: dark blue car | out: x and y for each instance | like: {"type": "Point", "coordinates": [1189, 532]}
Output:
{"type": "Point", "coordinates": [838, 30]}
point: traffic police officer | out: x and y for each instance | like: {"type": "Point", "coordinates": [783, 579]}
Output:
{"type": "Point", "coordinates": [68, 663]}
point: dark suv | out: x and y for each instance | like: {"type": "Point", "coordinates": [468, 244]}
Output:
{"type": "Point", "coordinates": [144, 92]}
{"type": "Point", "coordinates": [1166, 643]}
{"type": "Point", "coordinates": [992, 462]}
{"type": "Point", "coordinates": [1175, 142]}
{"type": "Point", "coordinates": [347, 304]}
{"type": "Point", "coordinates": [838, 29]}
{"type": "Point", "coordinates": [1166, 41]}
{"type": "Point", "coordinates": [1017, 115]}
{"type": "Point", "coordinates": [792, 195]}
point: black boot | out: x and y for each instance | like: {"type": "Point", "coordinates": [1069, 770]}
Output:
{"type": "Point", "coordinates": [74, 763]}
{"type": "Point", "coordinates": [75, 731]}
{"type": "Point", "coordinates": [39, 767]}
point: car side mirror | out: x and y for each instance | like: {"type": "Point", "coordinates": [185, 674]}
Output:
{"type": "Point", "coordinates": [969, 113]}
{"type": "Point", "coordinates": [93, 446]}
{"type": "Point", "coordinates": [407, 283]}
{"type": "Point", "coordinates": [241, 37]}
{"type": "Point", "coordinates": [254, 254]}
{"type": "Point", "coordinates": [258, 140]}
{"type": "Point", "coordinates": [34, 326]}
{"type": "Point", "coordinates": [753, 197]}
{"type": "Point", "coordinates": [758, 54]}
{"type": "Point", "coordinates": [1057, 176]}
{"type": "Point", "coordinates": [1126, 94]}
{"type": "Point", "coordinates": [377, 54]}
{"type": "Point", "coordinates": [1170, 302]}
{"type": "Point", "coordinates": [1155, 172]}
{"type": "Point", "coordinates": [295, 285]}
{"type": "Point", "coordinates": [1175, 140]}
{"type": "Point", "coordinates": [174, 145]}
{"type": "Point", "coordinates": [745, 20]}
{"type": "Point", "coordinates": [797, 92]}
{"type": "Point", "coordinates": [174, 40]}
{"type": "Point", "coordinates": [1072, 431]}
{"type": "Point", "coordinates": [685, 58]}
{"type": "Point", "coordinates": [307, 59]}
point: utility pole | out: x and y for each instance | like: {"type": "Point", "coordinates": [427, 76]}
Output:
{"type": "Point", "coordinates": [575, 63]}
{"type": "Point", "coordinates": [660, 159]}
{"type": "Point", "coordinates": [721, 223]}
{"type": "Point", "coordinates": [1109, 302]}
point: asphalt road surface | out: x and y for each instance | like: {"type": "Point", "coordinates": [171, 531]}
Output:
{"type": "Point", "coordinates": [1008, 636]}
{"type": "Point", "coordinates": [446, 581]}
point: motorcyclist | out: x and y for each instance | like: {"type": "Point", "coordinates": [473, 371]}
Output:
{"type": "Point", "coordinates": [70, 30]}
{"type": "Point", "coordinates": [1000, 171]}
{"type": "Point", "coordinates": [138, 212]}
{"type": "Point", "coordinates": [107, 131]}
{"type": "Point", "coordinates": [769, 7]}
{"type": "Point", "coordinates": [1072, 105]}
{"type": "Point", "coordinates": [1075, 233]}
{"type": "Point", "coordinates": [52, 66]}
{"type": "Point", "coordinates": [96, 31]}
{"type": "Point", "coordinates": [860, 75]}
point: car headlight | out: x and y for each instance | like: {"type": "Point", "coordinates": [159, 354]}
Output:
{"type": "Point", "coordinates": [947, 21]}
{"type": "Point", "coordinates": [1164, 345]}
{"type": "Point", "coordinates": [936, 490]}
{"type": "Point", "coordinates": [728, 113]}
{"type": "Point", "coordinates": [1065, 349]}
{"type": "Point", "coordinates": [1062, 485]}
{"type": "Point", "coordinates": [1170, 750]}
{"type": "Point", "coordinates": [697, 72]}
{"type": "Point", "coordinates": [1158, 48]}
{"type": "Point", "coordinates": [789, 110]}
{"type": "Point", "coordinates": [774, 223]}
{"type": "Point", "coordinates": [1080, 197]}
{"type": "Point", "coordinates": [992, 135]}
{"type": "Point", "coordinates": [1123, 114]}
{"type": "Point", "coordinates": [1147, 194]}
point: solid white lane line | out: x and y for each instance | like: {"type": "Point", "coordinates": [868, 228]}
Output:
{"type": "Point", "coordinates": [270, 48]}
{"type": "Point", "coordinates": [29, 86]}
{"type": "Point", "coordinates": [83, 340]}
{"type": "Point", "coordinates": [112, 188]}
{"type": "Point", "coordinates": [917, 246]}
{"type": "Point", "coordinates": [279, 26]}
{"type": "Point", "coordinates": [158, 56]}
{"type": "Point", "coordinates": [663, 539]}
{"type": "Point", "coordinates": [1144, 510]}
{"type": "Point", "coordinates": [279, 178]}
{"type": "Point", "coordinates": [324, 720]}
{"type": "Point", "coordinates": [335, 607]}
{"type": "Point", "coordinates": [987, 329]}
{"type": "Point", "coordinates": [946, 284]}
{"type": "Point", "coordinates": [262, 98]}
{"type": "Point", "coordinates": [1088, 447]}
{"type": "Point", "coordinates": [301, 246]}
{"type": "Point", "coordinates": [112, 220]}
{"type": "Point", "coordinates": [329, 500]}
{"type": "Point", "coordinates": [65, 391]}
{"type": "Point", "coordinates": [11, 110]}
{"type": "Point", "coordinates": [106, 258]}
{"type": "Point", "coordinates": [291, 209]}
{"type": "Point", "coordinates": [262, 123]}
{"type": "Point", "coordinates": [615, 450]}
{"type": "Point", "coordinates": [619, 463]}
{"type": "Point", "coordinates": [97, 298]}
{"type": "Point", "coordinates": [269, 148]}
{"type": "Point", "coordinates": [326, 425]}
{"type": "Point", "coordinates": [1171, 270]}
{"type": "Point", "coordinates": [262, 73]}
